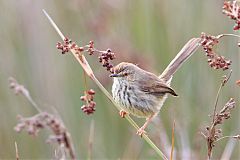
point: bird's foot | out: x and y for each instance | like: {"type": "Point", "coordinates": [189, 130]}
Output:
{"type": "Point", "coordinates": [141, 131]}
{"type": "Point", "coordinates": [123, 113]}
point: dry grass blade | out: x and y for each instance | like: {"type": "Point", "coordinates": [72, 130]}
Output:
{"type": "Point", "coordinates": [80, 58]}
{"type": "Point", "coordinates": [16, 150]}
{"type": "Point", "coordinates": [173, 128]}
{"type": "Point", "coordinates": [90, 141]}
{"type": "Point", "coordinates": [227, 153]}
{"type": "Point", "coordinates": [83, 62]}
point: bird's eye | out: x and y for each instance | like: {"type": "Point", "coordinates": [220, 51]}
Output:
{"type": "Point", "coordinates": [122, 69]}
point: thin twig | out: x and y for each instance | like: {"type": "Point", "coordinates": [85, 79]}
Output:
{"type": "Point", "coordinates": [16, 150]}
{"type": "Point", "coordinates": [85, 80]}
{"type": "Point", "coordinates": [227, 34]}
{"type": "Point", "coordinates": [218, 93]}
{"type": "Point", "coordinates": [234, 137]}
{"type": "Point", "coordinates": [216, 102]}
{"type": "Point", "coordinates": [33, 103]}
{"type": "Point", "coordinates": [21, 89]}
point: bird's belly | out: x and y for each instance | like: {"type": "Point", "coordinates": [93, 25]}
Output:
{"type": "Point", "coordinates": [136, 102]}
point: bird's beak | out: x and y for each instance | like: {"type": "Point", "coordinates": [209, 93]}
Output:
{"type": "Point", "coordinates": [114, 75]}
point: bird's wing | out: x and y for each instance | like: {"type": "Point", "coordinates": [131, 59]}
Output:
{"type": "Point", "coordinates": [154, 85]}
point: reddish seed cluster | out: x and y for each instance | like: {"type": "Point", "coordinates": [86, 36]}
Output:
{"type": "Point", "coordinates": [90, 49]}
{"type": "Point", "coordinates": [90, 105]}
{"type": "Point", "coordinates": [214, 60]}
{"type": "Point", "coordinates": [225, 114]}
{"type": "Point", "coordinates": [104, 58]}
{"type": "Point", "coordinates": [232, 10]}
{"type": "Point", "coordinates": [67, 45]}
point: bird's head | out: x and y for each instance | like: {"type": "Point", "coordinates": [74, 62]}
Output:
{"type": "Point", "coordinates": [124, 70]}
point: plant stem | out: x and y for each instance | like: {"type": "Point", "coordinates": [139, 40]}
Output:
{"type": "Point", "coordinates": [216, 102]}
{"type": "Point", "coordinates": [16, 150]}
{"type": "Point", "coordinates": [224, 81]}
{"type": "Point", "coordinates": [228, 34]}
{"type": "Point", "coordinates": [33, 103]}
{"type": "Point", "coordinates": [173, 127]}
{"type": "Point", "coordinates": [90, 141]}
{"type": "Point", "coordinates": [224, 138]}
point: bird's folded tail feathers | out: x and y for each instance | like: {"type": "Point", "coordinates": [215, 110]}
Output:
{"type": "Point", "coordinates": [189, 48]}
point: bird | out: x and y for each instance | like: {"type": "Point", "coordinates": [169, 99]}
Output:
{"type": "Point", "coordinates": [142, 93]}
{"type": "Point", "coordinates": [139, 92]}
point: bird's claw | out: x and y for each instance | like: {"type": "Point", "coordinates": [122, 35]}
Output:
{"type": "Point", "coordinates": [123, 113]}
{"type": "Point", "coordinates": [141, 131]}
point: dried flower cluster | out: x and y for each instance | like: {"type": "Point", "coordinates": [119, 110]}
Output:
{"type": "Point", "coordinates": [214, 60]}
{"type": "Point", "coordinates": [212, 133]}
{"type": "Point", "coordinates": [45, 120]}
{"type": "Point", "coordinates": [18, 89]}
{"type": "Point", "coordinates": [232, 10]}
{"type": "Point", "coordinates": [90, 105]}
{"type": "Point", "coordinates": [67, 45]}
{"type": "Point", "coordinates": [225, 112]}
{"type": "Point", "coordinates": [104, 56]}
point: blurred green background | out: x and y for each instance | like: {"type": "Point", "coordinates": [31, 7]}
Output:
{"type": "Point", "coordinates": [149, 33]}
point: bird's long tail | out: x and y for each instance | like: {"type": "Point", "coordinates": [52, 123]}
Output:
{"type": "Point", "coordinates": [189, 48]}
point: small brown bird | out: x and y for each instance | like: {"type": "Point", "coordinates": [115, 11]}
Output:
{"type": "Point", "coordinates": [139, 92]}
{"type": "Point", "coordinates": [142, 93]}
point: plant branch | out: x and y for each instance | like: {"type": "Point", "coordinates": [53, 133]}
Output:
{"type": "Point", "coordinates": [224, 81]}
{"type": "Point", "coordinates": [228, 34]}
